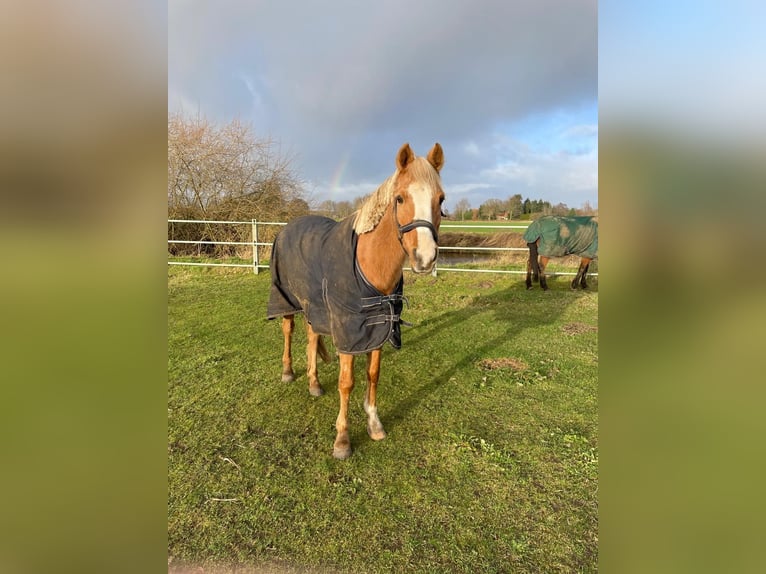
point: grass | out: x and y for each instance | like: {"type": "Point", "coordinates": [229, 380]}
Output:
{"type": "Point", "coordinates": [491, 460]}
{"type": "Point", "coordinates": [475, 226]}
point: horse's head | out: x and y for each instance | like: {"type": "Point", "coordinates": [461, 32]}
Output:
{"type": "Point", "coordinates": [417, 201]}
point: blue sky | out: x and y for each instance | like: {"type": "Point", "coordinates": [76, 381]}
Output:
{"type": "Point", "coordinates": [695, 66]}
{"type": "Point", "coordinates": [509, 89]}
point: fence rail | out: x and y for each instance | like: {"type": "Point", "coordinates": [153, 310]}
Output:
{"type": "Point", "coordinates": [257, 265]}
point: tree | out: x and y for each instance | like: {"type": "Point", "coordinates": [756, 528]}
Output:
{"type": "Point", "coordinates": [344, 209]}
{"type": "Point", "coordinates": [226, 173]}
{"type": "Point", "coordinates": [462, 208]}
{"type": "Point", "coordinates": [586, 209]}
{"type": "Point", "coordinates": [490, 208]}
{"type": "Point", "coordinates": [327, 208]}
{"type": "Point", "coordinates": [515, 206]}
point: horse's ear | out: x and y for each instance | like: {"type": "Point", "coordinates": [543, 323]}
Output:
{"type": "Point", "coordinates": [436, 156]}
{"type": "Point", "coordinates": [405, 156]}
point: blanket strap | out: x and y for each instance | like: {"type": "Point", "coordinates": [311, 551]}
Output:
{"type": "Point", "coordinates": [380, 319]}
{"type": "Point", "coordinates": [380, 299]}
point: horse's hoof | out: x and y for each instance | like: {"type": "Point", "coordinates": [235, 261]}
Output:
{"type": "Point", "coordinates": [341, 453]}
{"type": "Point", "coordinates": [379, 434]}
{"type": "Point", "coordinates": [342, 446]}
{"type": "Point", "coordinates": [317, 391]}
{"type": "Point", "coordinates": [288, 377]}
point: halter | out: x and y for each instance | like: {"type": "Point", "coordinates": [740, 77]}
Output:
{"type": "Point", "coordinates": [402, 229]}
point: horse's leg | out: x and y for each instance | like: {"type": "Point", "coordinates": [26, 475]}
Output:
{"type": "Point", "coordinates": [543, 264]}
{"type": "Point", "coordinates": [583, 283]}
{"type": "Point", "coordinates": [288, 324]}
{"type": "Point", "coordinates": [374, 427]}
{"type": "Point", "coordinates": [312, 345]}
{"type": "Point", "coordinates": [580, 276]}
{"type": "Point", "coordinates": [322, 350]}
{"type": "Point", "coordinates": [532, 265]}
{"type": "Point", "coordinates": [529, 271]}
{"type": "Point", "coordinates": [342, 447]}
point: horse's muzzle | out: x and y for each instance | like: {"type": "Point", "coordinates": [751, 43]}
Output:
{"type": "Point", "coordinates": [423, 261]}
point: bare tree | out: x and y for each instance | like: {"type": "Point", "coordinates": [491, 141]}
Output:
{"type": "Point", "coordinates": [490, 208]}
{"type": "Point", "coordinates": [226, 173]}
{"type": "Point", "coordinates": [558, 209]}
{"type": "Point", "coordinates": [462, 208]}
{"type": "Point", "coordinates": [587, 209]}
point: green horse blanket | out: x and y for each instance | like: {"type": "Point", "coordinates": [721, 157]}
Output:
{"type": "Point", "coordinates": [563, 235]}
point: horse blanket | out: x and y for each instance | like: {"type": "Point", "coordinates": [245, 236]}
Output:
{"type": "Point", "coordinates": [314, 271]}
{"type": "Point", "coordinates": [560, 236]}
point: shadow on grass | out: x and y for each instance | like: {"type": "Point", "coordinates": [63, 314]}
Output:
{"type": "Point", "coordinates": [511, 311]}
{"type": "Point", "coordinates": [515, 309]}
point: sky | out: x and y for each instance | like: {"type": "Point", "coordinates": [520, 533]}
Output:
{"type": "Point", "coordinates": [694, 66]}
{"type": "Point", "coordinates": [509, 89]}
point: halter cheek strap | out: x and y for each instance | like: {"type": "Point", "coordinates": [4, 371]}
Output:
{"type": "Point", "coordinates": [402, 229]}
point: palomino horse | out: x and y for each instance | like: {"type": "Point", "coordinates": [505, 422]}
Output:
{"type": "Point", "coordinates": [346, 278]}
{"type": "Point", "coordinates": [558, 236]}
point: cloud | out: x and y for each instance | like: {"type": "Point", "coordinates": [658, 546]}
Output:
{"type": "Point", "coordinates": [581, 131]}
{"type": "Point", "coordinates": [559, 177]}
{"type": "Point", "coordinates": [471, 149]}
{"type": "Point", "coordinates": [356, 80]}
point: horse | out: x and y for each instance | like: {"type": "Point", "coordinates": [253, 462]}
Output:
{"type": "Point", "coordinates": [558, 236]}
{"type": "Point", "coordinates": [346, 278]}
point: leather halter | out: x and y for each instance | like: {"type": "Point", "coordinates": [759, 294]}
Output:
{"type": "Point", "coordinates": [402, 229]}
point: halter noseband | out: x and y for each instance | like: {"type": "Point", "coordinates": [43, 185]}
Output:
{"type": "Point", "coordinates": [402, 229]}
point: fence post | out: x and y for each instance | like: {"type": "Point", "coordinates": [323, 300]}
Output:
{"type": "Point", "coordinates": [255, 246]}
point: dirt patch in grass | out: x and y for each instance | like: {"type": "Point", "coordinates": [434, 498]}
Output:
{"type": "Point", "coordinates": [503, 363]}
{"type": "Point", "coordinates": [578, 328]}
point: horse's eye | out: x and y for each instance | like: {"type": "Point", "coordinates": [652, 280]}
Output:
{"type": "Point", "coordinates": [399, 199]}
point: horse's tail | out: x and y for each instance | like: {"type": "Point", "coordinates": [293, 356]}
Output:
{"type": "Point", "coordinates": [322, 350]}
{"type": "Point", "coordinates": [533, 260]}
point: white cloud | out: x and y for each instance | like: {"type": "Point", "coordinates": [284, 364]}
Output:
{"type": "Point", "coordinates": [178, 101]}
{"type": "Point", "coordinates": [471, 149]}
{"type": "Point", "coordinates": [581, 131]}
{"type": "Point", "coordinates": [359, 79]}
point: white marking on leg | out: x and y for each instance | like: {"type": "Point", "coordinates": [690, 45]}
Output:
{"type": "Point", "coordinates": [374, 426]}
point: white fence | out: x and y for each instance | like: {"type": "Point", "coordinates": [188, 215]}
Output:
{"type": "Point", "coordinates": [257, 264]}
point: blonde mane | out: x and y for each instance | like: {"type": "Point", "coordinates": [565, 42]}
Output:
{"type": "Point", "coordinates": [374, 207]}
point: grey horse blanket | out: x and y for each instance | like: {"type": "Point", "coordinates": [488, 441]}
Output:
{"type": "Point", "coordinates": [314, 271]}
{"type": "Point", "coordinates": [560, 236]}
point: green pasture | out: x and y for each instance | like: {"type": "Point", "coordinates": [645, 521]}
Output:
{"type": "Point", "coordinates": [491, 460]}
{"type": "Point", "coordinates": [481, 226]}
